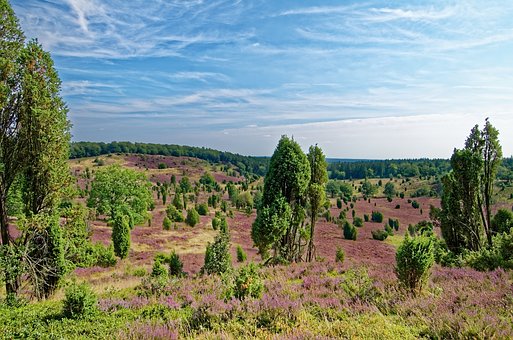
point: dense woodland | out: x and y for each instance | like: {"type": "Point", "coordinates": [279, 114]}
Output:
{"type": "Point", "coordinates": [109, 248]}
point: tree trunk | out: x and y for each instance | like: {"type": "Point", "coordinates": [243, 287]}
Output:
{"type": "Point", "coordinates": [310, 254]}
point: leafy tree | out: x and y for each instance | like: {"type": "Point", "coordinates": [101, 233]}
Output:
{"type": "Point", "coordinates": [119, 189]}
{"type": "Point", "coordinates": [389, 190]}
{"type": "Point", "coordinates": [368, 189]}
{"type": "Point", "coordinates": [192, 217]}
{"type": "Point", "coordinates": [316, 191]}
{"type": "Point", "coordinates": [332, 188]}
{"type": "Point", "coordinates": [34, 147]}
{"type": "Point", "coordinates": [285, 189]}
{"type": "Point", "coordinates": [121, 235]}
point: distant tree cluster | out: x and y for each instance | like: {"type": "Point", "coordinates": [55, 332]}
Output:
{"type": "Point", "coordinates": [246, 164]}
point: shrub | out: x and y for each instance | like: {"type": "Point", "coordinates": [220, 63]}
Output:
{"type": "Point", "coordinates": [342, 215]}
{"type": "Point", "coordinates": [241, 254]}
{"type": "Point", "coordinates": [203, 209]}
{"type": "Point", "coordinates": [393, 223]}
{"type": "Point", "coordinates": [339, 203]}
{"type": "Point", "coordinates": [248, 283]}
{"type": "Point", "coordinates": [377, 217]}
{"type": "Point", "coordinates": [358, 222]}
{"type": "Point", "coordinates": [350, 231]}
{"type": "Point", "coordinates": [223, 226]}
{"type": "Point", "coordinates": [166, 224]}
{"type": "Point", "coordinates": [174, 214]}
{"type": "Point", "coordinates": [366, 217]}
{"type": "Point", "coordinates": [175, 265]}
{"type": "Point", "coordinates": [379, 235]}
{"type": "Point", "coordinates": [499, 255]}
{"type": "Point", "coordinates": [401, 195]}
{"type": "Point", "coordinates": [359, 286]}
{"type": "Point", "coordinates": [414, 259]}
{"type": "Point", "coordinates": [415, 204]}
{"type": "Point", "coordinates": [79, 301]}
{"type": "Point", "coordinates": [158, 270]}
{"type": "Point", "coordinates": [192, 217]}
{"type": "Point", "coordinates": [105, 256]}
{"type": "Point", "coordinates": [398, 206]}
{"type": "Point", "coordinates": [389, 199]}
{"type": "Point", "coordinates": [389, 230]}
{"type": "Point", "coordinates": [121, 236]}
{"type": "Point", "coordinates": [217, 256]}
{"type": "Point", "coordinates": [215, 223]}
{"type": "Point", "coordinates": [502, 221]}
{"type": "Point", "coordinates": [340, 255]}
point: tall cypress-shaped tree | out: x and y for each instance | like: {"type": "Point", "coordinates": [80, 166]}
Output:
{"type": "Point", "coordinates": [283, 202]}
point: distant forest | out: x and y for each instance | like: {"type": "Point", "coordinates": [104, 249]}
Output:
{"type": "Point", "coordinates": [337, 169]}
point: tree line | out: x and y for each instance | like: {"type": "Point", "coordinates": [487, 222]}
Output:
{"type": "Point", "coordinates": [246, 164]}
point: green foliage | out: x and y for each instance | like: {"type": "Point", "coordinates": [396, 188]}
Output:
{"type": "Point", "coordinates": [104, 256]}
{"type": "Point", "coordinates": [121, 235]}
{"type": "Point", "coordinates": [350, 231]}
{"type": "Point", "coordinates": [359, 286]}
{"type": "Point", "coordinates": [502, 221]}
{"type": "Point", "coordinates": [166, 223]}
{"type": "Point", "coordinates": [393, 223]}
{"type": "Point", "coordinates": [158, 270]}
{"type": "Point", "coordinates": [192, 217]}
{"type": "Point", "coordinates": [366, 217]}
{"type": "Point", "coordinates": [217, 256]}
{"type": "Point", "coordinates": [202, 209]}
{"type": "Point", "coordinates": [358, 222]}
{"type": "Point", "coordinates": [340, 255]}
{"type": "Point", "coordinates": [500, 255]}
{"type": "Point", "coordinates": [368, 189]}
{"type": "Point", "coordinates": [282, 211]}
{"type": "Point", "coordinates": [270, 226]}
{"type": "Point", "coordinates": [379, 234]}
{"type": "Point", "coordinates": [177, 201]}
{"type": "Point", "coordinates": [247, 283]}
{"type": "Point", "coordinates": [215, 223]}
{"type": "Point", "coordinates": [389, 190]}
{"type": "Point", "coordinates": [414, 260]}
{"type": "Point", "coordinates": [389, 230]}
{"type": "Point", "coordinates": [377, 217]}
{"type": "Point", "coordinates": [339, 203]}
{"type": "Point", "coordinates": [174, 214]}
{"type": "Point", "coordinates": [175, 265]}
{"type": "Point", "coordinates": [415, 204]}
{"type": "Point", "coordinates": [241, 254]}
{"type": "Point", "coordinates": [120, 189]}
{"type": "Point", "coordinates": [79, 301]}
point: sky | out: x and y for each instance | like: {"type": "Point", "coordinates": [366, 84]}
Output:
{"type": "Point", "coordinates": [362, 79]}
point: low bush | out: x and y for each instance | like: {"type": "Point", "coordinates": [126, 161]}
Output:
{"type": "Point", "coordinates": [192, 217]}
{"type": "Point", "coordinates": [174, 214]}
{"type": "Point", "coordinates": [366, 217]}
{"type": "Point", "coordinates": [379, 235]}
{"type": "Point", "coordinates": [175, 265]}
{"type": "Point", "coordinates": [500, 255]}
{"type": "Point", "coordinates": [415, 204]}
{"type": "Point", "coordinates": [247, 283]}
{"type": "Point", "coordinates": [377, 217]}
{"type": "Point", "coordinates": [202, 209]}
{"type": "Point", "coordinates": [358, 222]}
{"type": "Point", "coordinates": [166, 224]}
{"type": "Point", "coordinates": [79, 301]}
{"type": "Point", "coordinates": [217, 256]}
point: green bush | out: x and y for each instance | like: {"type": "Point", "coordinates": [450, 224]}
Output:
{"type": "Point", "coordinates": [359, 286]}
{"type": "Point", "coordinates": [105, 256]}
{"type": "Point", "coordinates": [121, 236]}
{"type": "Point", "coordinates": [377, 217]}
{"type": "Point", "coordinates": [350, 231]}
{"type": "Point", "coordinates": [174, 214]}
{"type": "Point", "coordinates": [217, 256]}
{"type": "Point", "coordinates": [398, 206]}
{"type": "Point", "coordinates": [366, 217]}
{"type": "Point", "coordinates": [223, 226]}
{"type": "Point", "coordinates": [203, 209]}
{"type": "Point", "coordinates": [248, 283]}
{"type": "Point", "coordinates": [342, 215]}
{"type": "Point", "coordinates": [166, 224]}
{"type": "Point", "coordinates": [192, 217]}
{"type": "Point", "coordinates": [389, 230]}
{"type": "Point", "coordinates": [379, 235]}
{"type": "Point", "coordinates": [415, 204]}
{"type": "Point", "coordinates": [414, 259]}
{"type": "Point", "coordinates": [215, 223]}
{"type": "Point", "coordinates": [358, 222]}
{"type": "Point", "coordinates": [79, 301]}
{"type": "Point", "coordinates": [339, 203]}
{"type": "Point", "coordinates": [241, 254]}
{"type": "Point", "coordinates": [158, 270]}
{"type": "Point", "coordinates": [502, 221]}
{"type": "Point", "coordinates": [175, 265]}
{"type": "Point", "coordinates": [340, 255]}
{"type": "Point", "coordinates": [500, 255]}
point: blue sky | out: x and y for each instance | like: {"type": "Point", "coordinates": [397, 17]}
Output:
{"type": "Point", "coordinates": [376, 79]}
